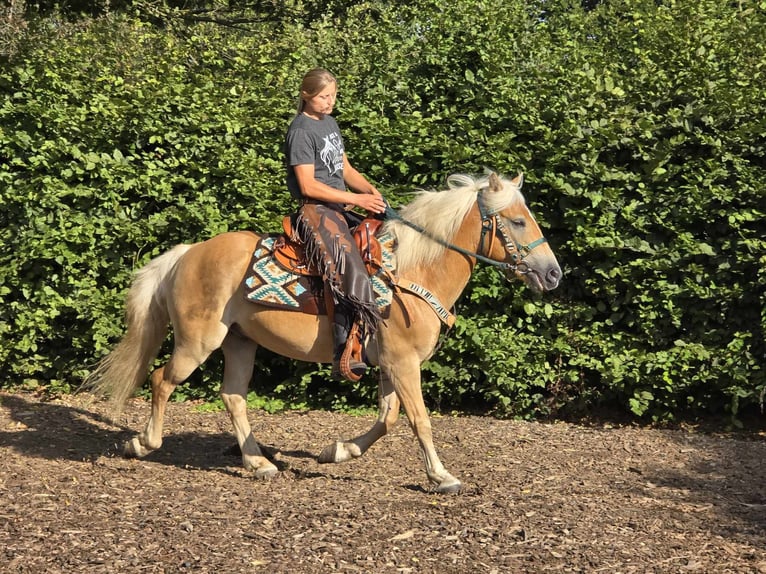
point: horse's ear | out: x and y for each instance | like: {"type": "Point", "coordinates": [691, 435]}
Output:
{"type": "Point", "coordinates": [518, 181]}
{"type": "Point", "coordinates": [494, 182]}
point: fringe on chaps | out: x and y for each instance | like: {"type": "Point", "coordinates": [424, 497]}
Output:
{"type": "Point", "coordinates": [324, 231]}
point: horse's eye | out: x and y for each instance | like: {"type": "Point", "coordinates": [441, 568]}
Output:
{"type": "Point", "coordinates": [519, 222]}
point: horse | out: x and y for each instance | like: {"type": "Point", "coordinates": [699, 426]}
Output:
{"type": "Point", "coordinates": [197, 289]}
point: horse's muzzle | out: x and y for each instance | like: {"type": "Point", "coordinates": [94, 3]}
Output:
{"type": "Point", "coordinates": [546, 280]}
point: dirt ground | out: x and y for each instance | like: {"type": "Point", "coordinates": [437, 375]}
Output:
{"type": "Point", "coordinates": [537, 497]}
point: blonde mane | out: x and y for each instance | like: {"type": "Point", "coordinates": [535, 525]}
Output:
{"type": "Point", "coordinates": [442, 213]}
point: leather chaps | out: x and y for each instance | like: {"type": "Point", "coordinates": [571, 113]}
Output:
{"type": "Point", "coordinates": [324, 231]}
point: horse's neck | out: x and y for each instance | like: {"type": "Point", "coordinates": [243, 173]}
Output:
{"type": "Point", "coordinates": [447, 279]}
{"type": "Point", "coordinates": [448, 276]}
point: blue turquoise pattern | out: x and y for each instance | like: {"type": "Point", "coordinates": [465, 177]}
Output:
{"type": "Point", "coordinates": [269, 283]}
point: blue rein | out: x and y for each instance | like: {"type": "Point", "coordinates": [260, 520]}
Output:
{"type": "Point", "coordinates": [489, 220]}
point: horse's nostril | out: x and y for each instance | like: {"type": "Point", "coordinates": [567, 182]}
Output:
{"type": "Point", "coordinates": [554, 276]}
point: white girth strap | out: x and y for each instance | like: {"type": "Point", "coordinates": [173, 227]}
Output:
{"type": "Point", "coordinates": [444, 315]}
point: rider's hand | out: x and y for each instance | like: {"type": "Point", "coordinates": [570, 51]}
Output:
{"type": "Point", "coordinates": [372, 202]}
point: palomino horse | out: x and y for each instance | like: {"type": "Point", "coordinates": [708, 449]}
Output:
{"type": "Point", "coordinates": [199, 289]}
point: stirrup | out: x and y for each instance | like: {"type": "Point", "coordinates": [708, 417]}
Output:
{"type": "Point", "coordinates": [350, 365]}
{"type": "Point", "coordinates": [352, 371]}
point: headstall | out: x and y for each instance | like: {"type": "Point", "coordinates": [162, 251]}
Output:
{"type": "Point", "coordinates": [491, 223]}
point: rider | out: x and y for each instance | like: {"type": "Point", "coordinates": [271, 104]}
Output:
{"type": "Point", "coordinates": [318, 172]}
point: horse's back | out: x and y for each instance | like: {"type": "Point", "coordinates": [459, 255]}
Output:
{"type": "Point", "coordinates": [211, 271]}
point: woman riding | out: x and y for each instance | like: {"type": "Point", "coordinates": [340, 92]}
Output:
{"type": "Point", "coordinates": [318, 174]}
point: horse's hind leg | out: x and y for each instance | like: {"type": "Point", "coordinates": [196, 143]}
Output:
{"type": "Point", "coordinates": [185, 358]}
{"type": "Point", "coordinates": [163, 380]}
{"type": "Point", "coordinates": [239, 358]}
{"type": "Point", "coordinates": [388, 414]}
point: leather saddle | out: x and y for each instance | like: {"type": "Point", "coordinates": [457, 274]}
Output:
{"type": "Point", "coordinates": [290, 253]}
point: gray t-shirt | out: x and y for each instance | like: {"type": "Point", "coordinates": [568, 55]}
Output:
{"type": "Point", "coordinates": [317, 142]}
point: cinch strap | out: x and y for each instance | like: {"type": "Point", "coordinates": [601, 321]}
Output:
{"type": "Point", "coordinates": [444, 315]}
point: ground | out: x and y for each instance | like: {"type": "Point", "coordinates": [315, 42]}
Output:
{"type": "Point", "coordinates": [537, 497]}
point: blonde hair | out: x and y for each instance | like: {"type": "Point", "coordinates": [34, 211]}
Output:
{"type": "Point", "coordinates": [442, 213]}
{"type": "Point", "coordinates": [314, 82]}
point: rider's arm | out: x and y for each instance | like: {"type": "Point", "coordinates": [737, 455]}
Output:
{"type": "Point", "coordinates": [356, 180]}
{"type": "Point", "coordinates": [318, 191]}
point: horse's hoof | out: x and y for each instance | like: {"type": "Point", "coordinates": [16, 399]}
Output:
{"type": "Point", "coordinates": [328, 454]}
{"type": "Point", "coordinates": [339, 452]}
{"type": "Point", "coordinates": [266, 472]}
{"type": "Point", "coordinates": [261, 467]}
{"type": "Point", "coordinates": [449, 485]}
{"type": "Point", "coordinates": [134, 449]}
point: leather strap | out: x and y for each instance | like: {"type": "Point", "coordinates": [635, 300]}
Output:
{"type": "Point", "coordinates": [445, 316]}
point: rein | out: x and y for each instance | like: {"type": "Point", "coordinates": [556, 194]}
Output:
{"type": "Point", "coordinates": [490, 221]}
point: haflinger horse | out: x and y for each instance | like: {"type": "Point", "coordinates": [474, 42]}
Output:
{"type": "Point", "coordinates": [198, 289]}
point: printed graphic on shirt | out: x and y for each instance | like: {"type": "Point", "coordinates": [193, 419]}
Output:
{"type": "Point", "coordinates": [332, 153]}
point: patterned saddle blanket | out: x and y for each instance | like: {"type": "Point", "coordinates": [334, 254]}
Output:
{"type": "Point", "coordinates": [269, 281]}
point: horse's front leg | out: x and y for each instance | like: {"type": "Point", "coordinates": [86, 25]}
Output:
{"type": "Point", "coordinates": [405, 375]}
{"type": "Point", "coordinates": [388, 414]}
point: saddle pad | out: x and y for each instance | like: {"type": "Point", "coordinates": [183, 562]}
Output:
{"type": "Point", "coordinates": [268, 283]}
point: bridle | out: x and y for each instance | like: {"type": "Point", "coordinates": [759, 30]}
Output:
{"type": "Point", "coordinates": [491, 224]}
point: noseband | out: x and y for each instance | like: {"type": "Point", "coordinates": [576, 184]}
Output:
{"type": "Point", "coordinates": [491, 223]}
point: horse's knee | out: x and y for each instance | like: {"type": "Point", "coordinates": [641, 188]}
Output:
{"type": "Point", "coordinates": [388, 410]}
{"type": "Point", "coordinates": [390, 420]}
{"type": "Point", "coordinates": [235, 404]}
{"type": "Point", "coordinates": [157, 377]}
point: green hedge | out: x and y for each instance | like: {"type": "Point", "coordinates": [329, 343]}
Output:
{"type": "Point", "coordinates": [639, 128]}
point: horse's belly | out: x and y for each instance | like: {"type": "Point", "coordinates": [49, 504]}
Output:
{"type": "Point", "coordinates": [290, 333]}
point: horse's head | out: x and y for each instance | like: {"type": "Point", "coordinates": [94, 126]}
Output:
{"type": "Point", "coordinates": [510, 234]}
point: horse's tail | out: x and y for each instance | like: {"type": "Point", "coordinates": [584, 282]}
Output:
{"type": "Point", "coordinates": [123, 370]}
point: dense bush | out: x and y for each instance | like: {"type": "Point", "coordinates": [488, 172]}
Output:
{"type": "Point", "coordinates": [639, 128]}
